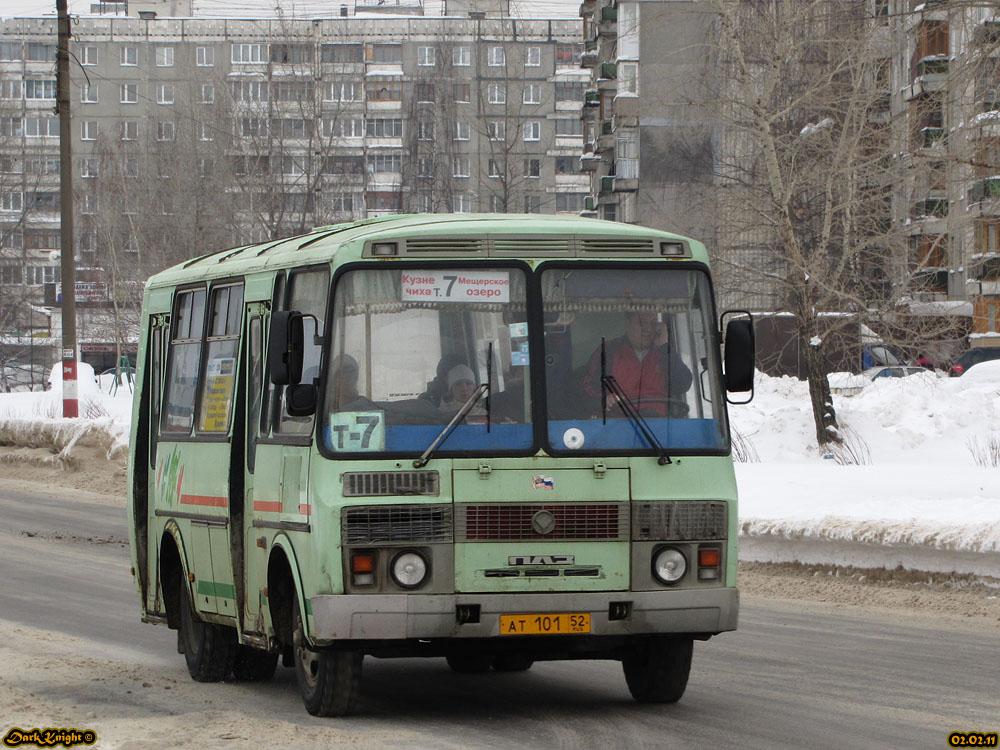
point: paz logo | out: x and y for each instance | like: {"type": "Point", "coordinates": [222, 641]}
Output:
{"type": "Point", "coordinates": [540, 482]}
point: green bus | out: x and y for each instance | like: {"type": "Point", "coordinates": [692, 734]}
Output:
{"type": "Point", "coordinates": [490, 438]}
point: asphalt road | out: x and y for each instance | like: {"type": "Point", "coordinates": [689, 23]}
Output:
{"type": "Point", "coordinates": [794, 675]}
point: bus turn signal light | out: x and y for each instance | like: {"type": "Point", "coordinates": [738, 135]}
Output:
{"type": "Point", "coordinates": [709, 559]}
{"type": "Point", "coordinates": [363, 568]}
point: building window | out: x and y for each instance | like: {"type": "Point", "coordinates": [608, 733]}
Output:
{"type": "Point", "coordinates": [244, 54]}
{"type": "Point", "coordinates": [496, 204]}
{"type": "Point", "coordinates": [293, 127]}
{"type": "Point", "coordinates": [164, 57]}
{"type": "Point", "coordinates": [204, 57]}
{"type": "Point", "coordinates": [384, 127]}
{"type": "Point", "coordinates": [41, 127]}
{"type": "Point", "coordinates": [292, 54]}
{"type": "Point", "coordinates": [12, 126]}
{"type": "Point", "coordinates": [570, 202]}
{"type": "Point", "coordinates": [207, 93]}
{"type": "Point", "coordinates": [628, 78]}
{"type": "Point", "coordinates": [342, 91]}
{"type": "Point", "coordinates": [496, 130]}
{"type": "Point", "coordinates": [569, 126]}
{"type": "Point", "coordinates": [11, 275]}
{"type": "Point", "coordinates": [88, 167]}
{"type": "Point", "coordinates": [610, 212]}
{"type": "Point", "coordinates": [129, 93]}
{"type": "Point", "coordinates": [207, 133]}
{"type": "Point", "coordinates": [461, 204]}
{"type": "Point", "coordinates": [532, 204]}
{"type": "Point", "coordinates": [532, 130]}
{"type": "Point", "coordinates": [496, 57]}
{"type": "Point", "coordinates": [293, 166]}
{"type": "Point", "coordinates": [41, 52]}
{"type": "Point", "coordinates": [250, 91]}
{"type": "Point", "coordinates": [89, 204]}
{"type": "Point", "coordinates": [348, 127]}
{"type": "Point", "coordinates": [461, 131]}
{"type": "Point", "coordinates": [385, 163]}
{"type": "Point", "coordinates": [532, 167]}
{"type": "Point", "coordinates": [568, 55]}
{"type": "Point", "coordinates": [129, 55]}
{"type": "Point", "coordinates": [493, 169]}
{"type": "Point", "coordinates": [13, 201]}
{"type": "Point", "coordinates": [532, 57]}
{"type": "Point", "coordinates": [166, 131]}
{"type": "Point", "coordinates": [567, 165]}
{"type": "Point", "coordinates": [165, 93]}
{"type": "Point", "coordinates": [570, 91]}
{"type": "Point", "coordinates": [425, 92]}
{"type": "Point", "coordinates": [88, 93]}
{"type": "Point", "coordinates": [130, 130]}
{"type": "Point", "coordinates": [88, 130]}
{"type": "Point", "coordinates": [88, 55]}
{"type": "Point", "coordinates": [384, 91]}
{"type": "Point", "coordinates": [384, 201]}
{"type": "Point", "coordinates": [254, 127]}
{"type": "Point", "coordinates": [425, 167]}
{"type": "Point", "coordinates": [11, 51]}
{"type": "Point", "coordinates": [462, 166]}
{"type": "Point", "coordinates": [343, 53]}
{"type": "Point", "coordinates": [384, 53]}
{"type": "Point", "coordinates": [532, 93]}
{"type": "Point", "coordinates": [425, 56]}
{"type": "Point", "coordinates": [425, 130]}
{"type": "Point", "coordinates": [10, 90]}
{"type": "Point", "coordinates": [463, 93]}
{"type": "Point", "coordinates": [496, 93]}
{"type": "Point", "coordinates": [461, 56]}
{"type": "Point", "coordinates": [40, 89]}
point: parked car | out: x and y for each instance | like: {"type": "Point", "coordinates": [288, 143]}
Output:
{"type": "Point", "coordinates": [15, 376]}
{"type": "Point", "coordinates": [874, 373]}
{"type": "Point", "coordinates": [973, 357]}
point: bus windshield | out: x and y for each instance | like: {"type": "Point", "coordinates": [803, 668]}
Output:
{"type": "Point", "coordinates": [646, 335]}
{"type": "Point", "coordinates": [410, 347]}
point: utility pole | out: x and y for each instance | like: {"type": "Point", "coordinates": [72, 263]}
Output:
{"type": "Point", "coordinates": [69, 381]}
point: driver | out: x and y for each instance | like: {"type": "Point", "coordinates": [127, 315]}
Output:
{"type": "Point", "coordinates": [343, 390]}
{"type": "Point", "coordinates": [646, 366]}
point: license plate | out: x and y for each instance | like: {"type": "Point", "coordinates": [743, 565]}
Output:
{"type": "Point", "coordinates": [550, 624]}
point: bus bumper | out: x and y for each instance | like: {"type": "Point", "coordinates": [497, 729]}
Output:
{"type": "Point", "coordinates": [340, 617]}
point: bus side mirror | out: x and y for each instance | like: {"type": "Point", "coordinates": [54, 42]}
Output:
{"type": "Point", "coordinates": [300, 400]}
{"type": "Point", "coordinates": [286, 347]}
{"type": "Point", "coordinates": [738, 362]}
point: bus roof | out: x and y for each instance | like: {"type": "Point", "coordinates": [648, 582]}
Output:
{"type": "Point", "coordinates": [322, 243]}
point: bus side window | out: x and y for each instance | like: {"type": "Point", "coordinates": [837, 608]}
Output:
{"type": "Point", "coordinates": [307, 293]}
{"type": "Point", "coordinates": [185, 361]}
{"type": "Point", "coordinates": [155, 374]}
{"type": "Point", "coordinates": [215, 409]}
{"type": "Point", "coordinates": [255, 387]}
{"type": "Point", "coordinates": [271, 402]}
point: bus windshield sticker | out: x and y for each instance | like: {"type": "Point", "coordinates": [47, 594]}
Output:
{"type": "Point", "coordinates": [455, 286]}
{"type": "Point", "coordinates": [357, 431]}
{"type": "Point", "coordinates": [518, 330]}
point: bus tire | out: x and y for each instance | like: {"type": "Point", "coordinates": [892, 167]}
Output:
{"type": "Point", "coordinates": [209, 649]}
{"type": "Point", "coordinates": [469, 663]}
{"type": "Point", "coordinates": [512, 662]}
{"type": "Point", "coordinates": [254, 665]}
{"type": "Point", "coordinates": [657, 668]}
{"type": "Point", "coordinates": [329, 681]}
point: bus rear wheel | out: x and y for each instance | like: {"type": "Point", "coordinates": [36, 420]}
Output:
{"type": "Point", "coordinates": [469, 663]}
{"type": "Point", "coordinates": [209, 649]}
{"type": "Point", "coordinates": [657, 668]}
{"type": "Point", "coordinates": [329, 681]}
{"type": "Point", "coordinates": [512, 662]}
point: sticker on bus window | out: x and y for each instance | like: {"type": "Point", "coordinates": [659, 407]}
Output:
{"type": "Point", "coordinates": [357, 431]}
{"type": "Point", "coordinates": [455, 286]}
{"type": "Point", "coordinates": [219, 375]}
{"type": "Point", "coordinates": [518, 330]}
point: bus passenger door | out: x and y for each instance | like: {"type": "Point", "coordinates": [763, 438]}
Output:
{"type": "Point", "coordinates": [254, 574]}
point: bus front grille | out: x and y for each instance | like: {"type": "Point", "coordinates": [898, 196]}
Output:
{"type": "Point", "coordinates": [380, 524]}
{"type": "Point", "coordinates": [497, 522]}
{"type": "Point", "coordinates": [679, 521]}
{"type": "Point", "coordinates": [384, 483]}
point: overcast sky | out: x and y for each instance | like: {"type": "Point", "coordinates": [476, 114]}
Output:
{"type": "Point", "coordinates": [293, 8]}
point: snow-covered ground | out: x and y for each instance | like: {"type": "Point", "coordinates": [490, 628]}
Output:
{"type": "Point", "coordinates": [918, 492]}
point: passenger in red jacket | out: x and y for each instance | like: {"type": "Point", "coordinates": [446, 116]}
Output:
{"type": "Point", "coordinates": [646, 366]}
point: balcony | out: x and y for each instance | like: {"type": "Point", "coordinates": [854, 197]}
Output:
{"type": "Point", "coordinates": [987, 189]}
{"type": "Point", "coordinates": [608, 183]}
{"type": "Point", "coordinates": [591, 53]}
{"type": "Point", "coordinates": [607, 127]}
{"type": "Point", "coordinates": [932, 208]}
{"type": "Point", "coordinates": [592, 98]}
{"type": "Point", "coordinates": [933, 65]}
{"type": "Point", "coordinates": [986, 267]}
{"type": "Point", "coordinates": [932, 279]}
{"type": "Point", "coordinates": [928, 137]}
{"type": "Point", "coordinates": [589, 162]}
{"type": "Point", "coordinates": [609, 14]}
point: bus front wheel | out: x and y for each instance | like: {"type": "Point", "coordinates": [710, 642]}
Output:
{"type": "Point", "coordinates": [209, 649]}
{"type": "Point", "coordinates": [657, 668]}
{"type": "Point", "coordinates": [329, 681]}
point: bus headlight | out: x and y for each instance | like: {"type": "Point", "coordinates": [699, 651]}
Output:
{"type": "Point", "coordinates": [408, 569]}
{"type": "Point", "coordinates": [669, 565]}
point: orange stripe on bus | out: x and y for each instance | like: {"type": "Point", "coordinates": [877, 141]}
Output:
{"type": "Point", "coordinates": [267, 506]}
{"type": "Point", "coordinates": [305, 510]}
{"type": "Point", "coordinates": [215, 502]}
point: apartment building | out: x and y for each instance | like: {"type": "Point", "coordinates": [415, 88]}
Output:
{"type": "Point", "coordinates": [194, 133]}
{"type": "Point", "coordinates": [946, 128]}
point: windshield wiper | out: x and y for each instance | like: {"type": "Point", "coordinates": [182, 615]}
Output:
{"type": "Point", "coordinates": [481, 390]}
{"type": "Point", "coordinates": [609, 383]}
